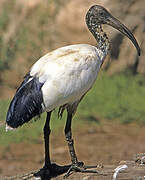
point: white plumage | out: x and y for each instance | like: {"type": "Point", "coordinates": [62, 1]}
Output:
{"type": "Point", "coordinates": [67, 73]}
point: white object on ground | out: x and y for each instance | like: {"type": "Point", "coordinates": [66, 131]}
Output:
{"type": "Point", "coordinates": [119, 169]}
{"type": "Point", "coordinates": [142, 160]}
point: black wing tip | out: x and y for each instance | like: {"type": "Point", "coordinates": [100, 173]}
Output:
{"type": "Point", "coordinates": [26, 104]}
{"type": "Point", "coordinates": [10, 121]}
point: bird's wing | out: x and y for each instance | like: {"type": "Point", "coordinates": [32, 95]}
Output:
{"type": "Point", "coordinates": [27, 102]}
{"type": "Point", "coordinates": [60, 76]}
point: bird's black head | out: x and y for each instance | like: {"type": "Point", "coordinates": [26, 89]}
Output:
{"type": "Point", "coordinates": [98, 15]}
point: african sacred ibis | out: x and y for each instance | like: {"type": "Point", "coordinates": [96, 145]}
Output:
{"type": "Point", "coordinates": [61, 78]}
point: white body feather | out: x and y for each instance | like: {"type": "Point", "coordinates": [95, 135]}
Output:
{"type": "Point", "coordinates": [67, 73]}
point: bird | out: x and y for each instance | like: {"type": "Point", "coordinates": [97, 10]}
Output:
{"type": "Point", "coordinates": [60, 79]}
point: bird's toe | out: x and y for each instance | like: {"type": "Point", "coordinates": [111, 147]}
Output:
{"type": "Point", "coordinates": [80, 167]}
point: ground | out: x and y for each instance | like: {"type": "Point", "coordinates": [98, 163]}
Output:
{"type": "Point", "coordinates": [107, 145]}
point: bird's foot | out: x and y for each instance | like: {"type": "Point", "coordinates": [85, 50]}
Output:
{"type": "Point", "coordinates": [80, 167]}
{"type": "Point", "coordinates": [48, 172]}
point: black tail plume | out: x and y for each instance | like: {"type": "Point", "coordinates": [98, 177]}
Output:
{"type": "Point", "coordinates": [27, 102]}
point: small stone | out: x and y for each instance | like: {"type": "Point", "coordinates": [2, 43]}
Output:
{"type": "Point", "coordinates": [129, 163]}
{"type": "Point", "coordinates": [37, 178]}
{"type": "Point", "coordinates": [122, 162]}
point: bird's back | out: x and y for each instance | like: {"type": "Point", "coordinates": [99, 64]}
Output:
{"type": "Point", "coordinates": [64, 56]}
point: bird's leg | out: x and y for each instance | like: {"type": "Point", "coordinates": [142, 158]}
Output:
{"type": "Point", "coordinates": [47, 131]}
{"type": "Point", "coordinates": [68, 135]}
{"type": "Point", "coordinates": [76, 165]}
{"type": "Point", "coordinates": [45, 171]}
{"type": "Point", "coordinates": [49, 170]}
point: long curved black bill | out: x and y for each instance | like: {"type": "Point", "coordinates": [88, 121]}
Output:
{"type": "Point", "coordinates": [124, 30]}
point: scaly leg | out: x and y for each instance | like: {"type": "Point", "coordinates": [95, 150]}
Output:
{"type": "Point", "coordinates": [68, 135]}
{"type": "Point", "coordinates": [76, 165]}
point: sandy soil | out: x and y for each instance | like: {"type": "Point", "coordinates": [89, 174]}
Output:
{"type": "Point", "coordinates": [108, 145]}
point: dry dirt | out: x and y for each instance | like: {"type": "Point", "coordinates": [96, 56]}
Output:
{"type": "Point", "coordinates": [108, 145]}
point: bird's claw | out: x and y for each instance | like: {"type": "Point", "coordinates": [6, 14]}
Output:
{"type": "Point", "coordinates": [80, 167]}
